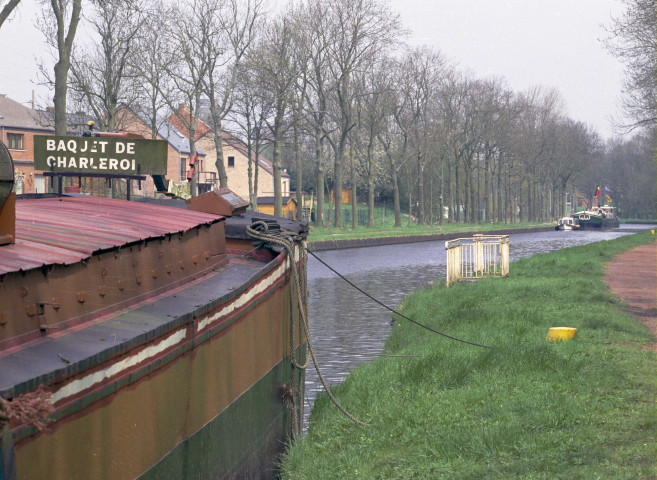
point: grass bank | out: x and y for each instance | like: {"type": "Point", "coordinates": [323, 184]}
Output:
{"type": "Point", "coordinates": [347, 233]}
{"type": "Point", "coordinates": [525, 408]}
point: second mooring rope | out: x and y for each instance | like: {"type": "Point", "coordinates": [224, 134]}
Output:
{"type": "Point", "coordinates": [260, 230]}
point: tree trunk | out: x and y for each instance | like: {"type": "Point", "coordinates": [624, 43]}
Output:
{"type": "Point", "coordinates": [256, 169]}
{"type": "Point", "coordinates": [466, 199]}
{"type": "Point", "coordinates": [450, 195]}
{"type": "Point", "coordinates": [277, 162]}
{"type": "Point", "coordinates": [420, 190]}
{"type": "Point", "coordinates": [395, 193]}
{"type": "Point", "coordinates": [337, 185]}
{"type": "Point", "coordinates": [354, 195]}
{"type": "Point", "coordinates": [370, 184]}
{"type": "Point", "coordinates": [457, 191]}
{"type": "Point", "coordinates": [319, 183]}
{"type": "Point", "coordinates": [441, 203]}
{"type": "Point", "coordinates": [297, 160]}
{"type": "Point", "coordinates": [219, 148]}
{"type": "Point", "coordinates": [277, 165]}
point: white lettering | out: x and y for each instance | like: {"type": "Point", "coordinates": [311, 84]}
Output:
{"type": "Point", "coordinates": [92, 164]}
{"type": "Point", "coordinates": [130, 148]}
{"type": "Point", "coordinates": [102, 163]}
{"type": "Point", "coordinates": [61, 146]}
{"type": "Point", "coordinates": [86, 144]}
{"type": "Point", "coordinates": [113, 164]}
{"type": "Point", "coordinates": [72, 163]}
{"type": "Point", "coordinates": [120, 147]}
{"type": "Point", "coordinates": [124, 164]}
{"type": "Point", "coordinates": [102, 145]}
{"type": "Point", "coordinates": [50, 160]}
{"type": "Point", "coordinates": [50, 144]}
{"type": "Point", "coordinates": [73, 146]}
{"type": "Point", "coordinates": [84, 162]}
{"type": "Point", "coordinates": [61, 162]}
{"type": "Point", "coordinates": [133, 165]}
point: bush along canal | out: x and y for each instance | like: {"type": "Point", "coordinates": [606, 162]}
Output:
{"type": "Point", "coordinates": [525, 408]}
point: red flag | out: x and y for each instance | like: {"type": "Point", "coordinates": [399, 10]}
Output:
{"type": "Point", "coordinates": [597, 193]}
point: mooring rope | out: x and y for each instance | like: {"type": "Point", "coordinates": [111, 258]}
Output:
{"type": "Point", "coordinates": [392, 309]}
{"type": "Point", "coordinates": [260, 230]}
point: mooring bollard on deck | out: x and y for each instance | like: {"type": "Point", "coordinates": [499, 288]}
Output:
{"type": "Point", "coordinates": [477, 257]}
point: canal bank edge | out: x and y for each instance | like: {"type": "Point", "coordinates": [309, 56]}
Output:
{"type": "Point", "coordinates": [338, 244]}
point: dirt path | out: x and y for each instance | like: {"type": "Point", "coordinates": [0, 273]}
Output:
{"type": "Point", "coordinates": [633, 277]}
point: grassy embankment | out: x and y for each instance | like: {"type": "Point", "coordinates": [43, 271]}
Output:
{"type": "Point", "coordinates": [388, 230]}
{"type": "Point", "coordinates": [526, 408]}
{"type": "Point", "coordinates": [638, 220]}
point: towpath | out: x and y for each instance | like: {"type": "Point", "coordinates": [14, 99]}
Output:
{"type": "Point", "coordinates": [632, 276]}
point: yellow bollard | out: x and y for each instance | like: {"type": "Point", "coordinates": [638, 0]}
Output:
{"type": "Point", "coordinates": [652, 231]}
{"type": "Point", "coordinates": [561, 334]}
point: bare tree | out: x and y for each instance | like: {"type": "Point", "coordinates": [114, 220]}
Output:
{"type": "Point", "coordinates": [421, 70]}
{"type": "Point", "coordinates": [61, 38]}
{"type": "Point", "coordinates": [311, 22]}
{"type": "Point", "coordinates": [248, 113]}
{"type": "Point", "coordinates": [236, 24]}
{"type": "Point", "coordinates": [274, 62]}
{"type": "Point", "coordinates": [99, 71]}
{"type": "Point", "coordinates": [150, 78]}
{"type": "Point", "coordinates": [7, 9]}
{"type": "Point", "coordinates": [358, 30]}
{"type": "Point", "coordinates": [375, 84]}
{"type": "Point", "coordinates": [190, 36]}
{"type": "Point", "coordinates": [633, 39]}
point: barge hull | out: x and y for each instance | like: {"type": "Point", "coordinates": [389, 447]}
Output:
{"type": "Point", "coordinates": [210, 406]}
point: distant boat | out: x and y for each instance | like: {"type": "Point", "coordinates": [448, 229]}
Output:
{"type": "Point", "coordinates": [601, 217]}
{"type": "Point", "coordinates": [567, 223]}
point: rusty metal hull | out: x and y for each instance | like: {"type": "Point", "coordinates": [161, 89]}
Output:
{"type": "Point", "coordinates": [203, 399]}
{"type": "Point", "coordinates": [189, 381]}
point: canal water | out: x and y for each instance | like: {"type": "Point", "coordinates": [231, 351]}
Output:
{"type": "Point", "coordinates": [348, 328]}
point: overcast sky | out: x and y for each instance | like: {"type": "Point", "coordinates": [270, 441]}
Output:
{"type": "Point", "coordinates": [552, 43]}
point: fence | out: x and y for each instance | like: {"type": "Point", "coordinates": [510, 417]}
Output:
{"type": "Point", "coordinates": [476, 257]}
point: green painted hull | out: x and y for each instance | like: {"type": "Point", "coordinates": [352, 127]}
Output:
{"type": "Point", "coordinates": [244, 441]}
{"type": "Point", "coordinates": [590, 220]}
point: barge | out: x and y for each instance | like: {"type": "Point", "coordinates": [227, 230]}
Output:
{"type": "Point", "coordinates": [601, 217]}
{"type": "Point", "coordinates": [146, 341]}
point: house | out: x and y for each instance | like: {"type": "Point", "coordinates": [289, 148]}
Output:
{"type": "Point", "coordinates": [235, 158]}
{"type": "Point", "coordinates": [266, 205]}
{"type": "Point", "coordinates": [178, 152]}
{"type": "Point", "coordinates": [236, 154]}
{"type": "Point", "coordinates": [18, 125]}
{"type": "Point", "coordinates": [178, 170]}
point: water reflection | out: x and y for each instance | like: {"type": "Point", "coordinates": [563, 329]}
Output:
{"type": "Point", "coordinates": [348, 328]}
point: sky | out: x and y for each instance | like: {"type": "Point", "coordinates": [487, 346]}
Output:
{"type": "Point", "coordinates": [548, 43]}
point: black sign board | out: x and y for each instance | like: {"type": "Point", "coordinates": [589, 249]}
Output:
{"type": "Point", "coordinates": [104, 155]}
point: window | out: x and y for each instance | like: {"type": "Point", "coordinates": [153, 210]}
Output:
{"type": "Point", "coordinates": [15, 141]}
{"type": "Point", "coordinates": [183, 169]}
{"type": "Point", "coordinates": [231, 161]}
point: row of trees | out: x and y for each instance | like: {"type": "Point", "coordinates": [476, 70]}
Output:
{"type": "Point", "coordinates": [329, 87]}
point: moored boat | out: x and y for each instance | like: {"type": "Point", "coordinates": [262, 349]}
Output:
{"type": "Point", "coordinates": [145, 341]}
{"type": "Point", "coordinates": [567, 223]}
{"type": "Point", "coordinates": [601, 217]}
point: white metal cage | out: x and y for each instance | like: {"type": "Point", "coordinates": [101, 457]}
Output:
{"type": "Point", "coordinates": [476, 257]}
